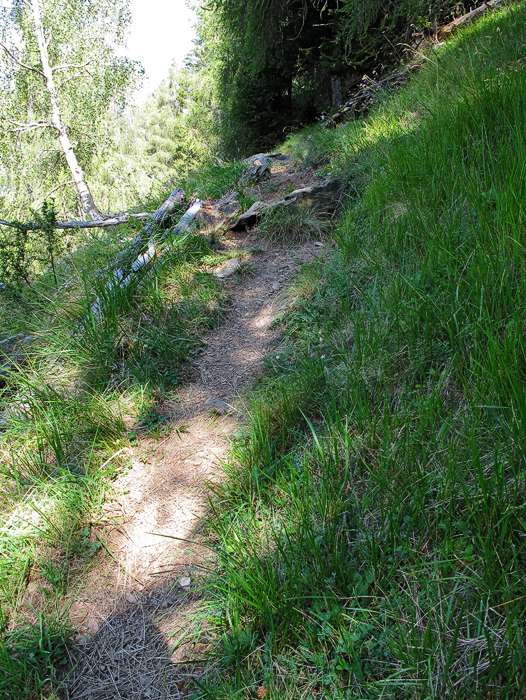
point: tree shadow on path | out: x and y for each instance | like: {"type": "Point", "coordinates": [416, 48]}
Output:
{"type": "Point", "coordinates": [135, 655]}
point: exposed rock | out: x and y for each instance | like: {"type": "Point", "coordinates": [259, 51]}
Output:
{"type": "Point", "coordinates": [228, 204]}
{"type": "Point", "coordinates": [217, 406]}
{"type": "Point", "coordinates": [259, 167]}
{"type": "Point", "coordinates": [12, 345]}
{"type": "Point", "coordinates": [219, 213]}
{"type": "Point", "coordinates": [227, 269]}
{"type": "Point", "coordinates": [251, 216]}
{"type": "Point", "coordinates": [323, 196]}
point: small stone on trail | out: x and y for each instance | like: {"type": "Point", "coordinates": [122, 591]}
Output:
{"type": "Point", "coordinates": [217, 406]}
{"type": "Point", "coordinates": [185, 582]}
{"type": "Point", "coordinates": [92, 627]}
{"type": "Point", "coordinates": [227, 269]}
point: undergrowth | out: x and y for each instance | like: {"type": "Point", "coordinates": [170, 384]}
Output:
{"type": "Point", "coordinates": [370, 531]}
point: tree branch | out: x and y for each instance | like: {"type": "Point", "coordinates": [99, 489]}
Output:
{"type": "Point", "coordinates": [19, 62]}
{"type": "Point", "coordinates": [468, 17]}
{"type": "Point", "coordinates": [21, 127]}
{"type": "Point", "coordinates": [112, 220]}
{"type": "Point", "coordinates": [144, 249]}
{"type": "Point", "coordinates": [69, 66]}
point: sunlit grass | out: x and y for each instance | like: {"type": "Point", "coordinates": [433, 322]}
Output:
{"type": "Point", "coordinates": [370, 531]}
{"type": "Point", "coordinates": [294, 224]}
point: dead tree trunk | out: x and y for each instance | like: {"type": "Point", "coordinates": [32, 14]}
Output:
{"type": "Point", "coordinates": [144, 249]}
{"type": "Point", "coordinates": [85, 197]}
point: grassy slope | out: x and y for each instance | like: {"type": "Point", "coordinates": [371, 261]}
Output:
{"type": "Point", "coordinates": [371, 533]}
{"type": "Point", "coordinates": [63, 418]}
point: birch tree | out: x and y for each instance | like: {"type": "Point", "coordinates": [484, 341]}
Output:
{"type": "Point", "coordinates": [79, 179]}
{"type": "Point", "coordinates": [63, 83]}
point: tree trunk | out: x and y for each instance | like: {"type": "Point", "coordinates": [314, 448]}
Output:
{"type": "Point", "coordinates": [336, 91]}
{"type": "Point", "coordinates": [85, 197]}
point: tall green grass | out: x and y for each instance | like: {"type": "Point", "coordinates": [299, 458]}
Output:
{"type": "Point", "coordinates": [371, 529]}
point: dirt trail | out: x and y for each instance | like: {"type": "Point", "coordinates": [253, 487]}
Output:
{"type": "Point", "coordinates": [138, 602]}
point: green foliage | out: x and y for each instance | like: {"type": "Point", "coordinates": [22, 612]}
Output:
{"type": "Point", "coordinates": [92, 81]}
{"type": "Point", "coordinates": [293, 223]}
{"type": "Point", "coordinates": [160, 145]}
{"type": "Point", "coordinates": [254, 53]}
{"type": "Point", "coordinates": [277, 64]}
{"type": "Point", "coordinates": [13, 255]}
{"type": "Point", "coordinates": [24, 251]}
{"type": "Point", "coordinates": [212, 181]}
{"type": "Point", "coordinates": [29, 657]}
{"type": "Point", "coordinates": [157, 332]}
{"type": "Point", "coordinates": [370, 529]}
{"type": "Point", "coordinates": [369, 533]}
{"type": "Point", "coordinates": [369, 29]}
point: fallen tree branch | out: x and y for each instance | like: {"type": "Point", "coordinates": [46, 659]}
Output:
{"type": "Point", "coordinates": [145, 247]}
{"type": "Point", "coordinates": [448, 29]}
{"type": "Point", "coordinates": [157, 220]}
{"type": "Point", "coordinates": [112, 220]}
{"type": "Point", "coordinates": [366, 95]}
{"type": "Point", "coordinates": [257, 167]}
{"type": "Point", "coordinates": [368, 91]}
{"type": "Point", "coordinates": [166, 208]}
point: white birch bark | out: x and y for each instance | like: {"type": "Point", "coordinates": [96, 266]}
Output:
{"type": "Point", "coordinates": [85, 197]}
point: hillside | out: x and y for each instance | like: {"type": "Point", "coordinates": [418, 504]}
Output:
{"type": "Point", "coordinates": [370, 532]}
{"type": "Point", "coordinates": [287, 462]}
